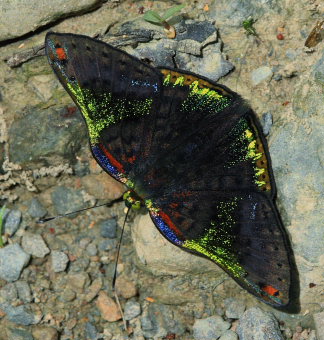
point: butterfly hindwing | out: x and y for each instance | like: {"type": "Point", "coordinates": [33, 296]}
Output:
{"type": "Point", "coordinates": [191, 150]}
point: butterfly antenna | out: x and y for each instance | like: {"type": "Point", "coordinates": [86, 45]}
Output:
{"type": "Point", "coordinates": [115, 271]}
{"type": "Point", "coordinates": [43, 220]}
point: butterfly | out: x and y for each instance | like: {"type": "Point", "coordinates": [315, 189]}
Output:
{"type": "Point", "coordinates": [188, 149]}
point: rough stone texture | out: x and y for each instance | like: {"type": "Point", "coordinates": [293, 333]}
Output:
{"type": "Point", "coordinates": [59, 261]}
{"type": "Point", "coordinates": [319, 325]}
{"type": "Point", "coordinates": [229, 335]}
{"type": "Point", "coordinates": [12, 261]}
{"type": "Point", "coordinates": [256, 324]}
{"type": "Point", "coordinates": [12, 219]}
{"type": "Point", "coordinates": [54, 134]}
{"type": "Point", "coordinates": [32, 15]}
{"type": "Point", "coordinates": [159, 256]}
{"type": "Point", "coordinates": [45, 332]}
{"type": "Point", "coordinates": [234, 308]}
{"type": "Point", "coordinates": [108, 308]}
{"type": "Point", "coordinates": [34, 244]}
{"type": "Point", "coordinates": [210, 328]}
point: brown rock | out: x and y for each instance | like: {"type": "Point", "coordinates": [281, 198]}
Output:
{"type": "Point", "coordinates": [93, 290]}
{"type": "Point", "coordinates": [108, 307]}
{"type": "Point", "coordinates": [103, 186]}
{"type": "Point", "coordinates": [125, 288]}
{"type": "Point", "coordinates": [45, 332]}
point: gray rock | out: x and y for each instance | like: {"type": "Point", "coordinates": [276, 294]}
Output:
{"type": "Point", "coordinates": [34, 244]}
{"type": "Point", "coordinates": [107, 245]}
{"type": "Point", "coordinates": [32, 16]}
{"type": "Point", "coordinates": [234, 308]}
{"type": "Point", "coordinates": [92, 249]}
{"type": "Point", "coordinates": [319, 325]}
{"type": "Point", "coordinates": [132, 309]}
{"type": "Point", "coordinates": [59, 261]}
{"type": "Point", "coordinates": [258, 324]}
{"type": "Point", "coordinates": [67, 200]}
{"type": "Point", "coordinates": [159, 320]}
{"type": "Point", "coordinates": [20, 315]}
{"type": "Point", "coordinates": [318, 71]}
{"type": "Point", "coordinates": [24, 292]}
{"type": "Point", "coordinates": [108, 228]}
{"type": "Point", "coordinates": [229, 335]}
{"type": "Point", "coordinates": [261, 74]}
{"type": "Point", "coordinates": [91, 331]}
{"type": "Point", "coordinates": [9, 292]}
{"type": "Point", "coordinates": [36, 209]}
{"type": "Point", "coordinates": [54, 135]}
{"type": "Point", "coordinates": [12, 219]}
{"type": "Point", "coordinates": [12, 261]}
{"type": "Point", "coordinates": [210, 328]}
{"type": "Point", "coordinates": [266, 123]}
{"type": "Point", "coordinates": [18, 334]}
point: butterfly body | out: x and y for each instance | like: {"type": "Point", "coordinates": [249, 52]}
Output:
{"type": "Point", "coordinates": [190, 150]}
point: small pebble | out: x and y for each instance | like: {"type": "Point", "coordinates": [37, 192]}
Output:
{"type": "Point", "coordinates": [229, 335]}
{"type": "Point", "coordinates": [78, 281]}
{"type": "Point", "coordinates": [261, 74]}
{"type": "Point", "coordinates": [107, 307]}
{"type": "Point", "coordinates": [34, 244]}
{"type": "Point", "coordinates": [12, 219]}
{"type": "Point", "coordinates": [93, 290]}
{"type": "Point", "coordinates": [36, 209]}
{"type": "Point", "coordinates": [24, 292]}
{"type": "Point", "coordinates": [20, 315]}
{"type": "Point", "coordinates": [125, 288]}
{"type": "Point", "coordinates": [68, 295]}
{"type": "Point", "coordinates": [59, 261]}
{"type": "Point", "coordinates": [107, 245]}
{"type": "Point", "coordinates": [234, 308]}
{"type": "Point", "coordinates": [12, 261]}
{"type": "Point", "coordinates": [13, 333]}
{"type": "Point", "coordinates": [91, 331]}
{"type": "Point", "coordinates": [131, 310]}
{"type": "Point", "coordinates": [9, 292]}
{"type": "Point", "coordinates": [108, 228]}
{"type": "Point", "coordinates": [210, 328]}
{"type": "Point", "coordinates": [92, 249]}
{"type": "Point", "coordinates": [266, 123]}
{"type": "Point", "coordinates": [45, 333]}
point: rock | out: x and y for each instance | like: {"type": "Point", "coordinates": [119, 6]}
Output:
{"type": "Point", "coordinates": [20, 315]}
{"type": "Point", "coordinates": [45, 332]}
{"type": "Point", "coordinates": [258, 324]}
{"type": "Point", "coordinates": [107, 307]}
{"type": "Point", "coordinates": [319, 325]}
{"type": "Point", "coordinates": [36, 209]}
{"type": "Point", "coordinates": [108, 228]}
{"type": "Point", "coordinates": [42, 85]}
{"type": "Point", "coordinates": [210, 328]}
{"type": "Point", "coordinates": [92, 249]}
{"type": "Point", "coordinates": [127, 289]}
{"type": "Point", "coordinates": [229, 335]}
{"type": "Point", "coordinates": [102, 186]}
{"type": "Point", "coordinates": [107, 245]}
{"type": "Point", "coordinates": [24, 292]}
{"type": "Point", "coordinates": [54, 135]}
{"type": "Point", "coordinates": [34, 244]}
{"type": "Point", "coordinates": [234, 308]}
{"type": "Point", "coordinates": [18, 334]}
{"type": "Point", "coordinates": [67, 200]}
{"type": "Point", "coordinates": [9, 292]}
{"type": "Point", "coordinates": [160, 320]}
{"type": "Point", "coordinates": [91, 331]}
{"type": "Point", "coordinates": [132, 309]}
{"type": "Point", "coordinates": [30, 20]}
{"type": "Point", "coordinates": [159, 256]}
{"type": "Point", "coordinates": [12, 219]}
{"type": "Point", "coordinates": [12, 261]}
{"type": "Point", "coordinates": [93, 290]}
{"type": "Point", "coordinates": [266, 123]}
{"type": "Point", "coordinates": [59, 261]}
{"type": "Point", "coordinates": [78, 281]}
{"type": "Point", "coordinates": [261, 74]}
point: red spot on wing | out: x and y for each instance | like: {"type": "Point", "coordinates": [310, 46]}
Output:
{"type": "Point", "coordinates": [168, 221]}
{"type": "Point", "coordinates": [173, 205]}
{"type": "Point", "coordinates": [61, 53]}
{"type": "Point", "coordinates": [131, 159]}
{"type": "Point", "coordinates": [112, 159]}
{"type": "Point", "coordinates": [270, 290]}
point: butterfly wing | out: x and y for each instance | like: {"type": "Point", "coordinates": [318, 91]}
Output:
{"type": "Point", "coordinates": [191, 149]}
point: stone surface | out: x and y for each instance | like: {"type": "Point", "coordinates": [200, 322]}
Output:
{"type": "Point", "coordinates": [234, 308]}
{"type": "Point", "coordinates": [210, 328]}
{"type": "Point", "coordinates": [12, 261]}
{"type": "Point", "coordinates": [23, 290]}
{"type": "Point", "coordinates": [36, 209]}
{"type": "Point", "coordinates": [229, 335]}
{"type": "Point", "coordinates": [108, 228]}
{"type": "Point", "coordinates": [20, 315]}
{"type": "Point", "coordinates": [126, 288]}
{"type": "Point", "coordinates": [319, 325]}
{"type": "Point", "coordinates": [12, 219]}
{"type": "Point", "coordinates": [107, 307]}
{"type": "Point", "coordinates": [32, 16]}
{"type": "Point", "coordinates": [45, 333]}
{"type": "Point", "coordinates": [55, 134]}
{"type": "Point", "coordinates": [132, 309]}
{"type": "Point", "coordinates": [159, 256]}
{"type": "Point", "coordinates": [261, 74]}
{"type": "Point", "coordinates": [59, 261]}
{"type": "Point", "coordinates": [258, 324]}
{"type": "Point", "coordinates": [34, 244]}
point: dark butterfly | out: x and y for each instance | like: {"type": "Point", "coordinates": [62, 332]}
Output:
{"type": "Point", "coordinates": [188, 149]}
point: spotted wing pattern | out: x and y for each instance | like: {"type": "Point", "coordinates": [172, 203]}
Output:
{"type": "Point", "coordinates": [191, 150]}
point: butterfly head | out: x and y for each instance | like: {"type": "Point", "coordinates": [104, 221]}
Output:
{"type": "Point", "coordinates": [132, 200]}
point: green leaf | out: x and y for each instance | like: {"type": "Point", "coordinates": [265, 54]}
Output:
{"type": "Point", "coordinates": [2, 211]}
{"type": "Point", "coordinates": [172, 11]}
{"type": "Point", "coordinates": [152, 17]}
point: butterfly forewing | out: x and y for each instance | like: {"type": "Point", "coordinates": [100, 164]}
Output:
{"type": "Point", "coordinates": [191, 149]}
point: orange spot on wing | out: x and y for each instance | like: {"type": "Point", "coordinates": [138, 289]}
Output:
{"type": "Point", "coordinates": [131, 159]}
{"type": "Point", "coordinates": [61, 53]}
{"type": "Point", "coordinates": [270, 290]}
{"type": "Point", "coordinates": [111, 158]}
{"type": "Point", "coordinates": [173, 205]}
